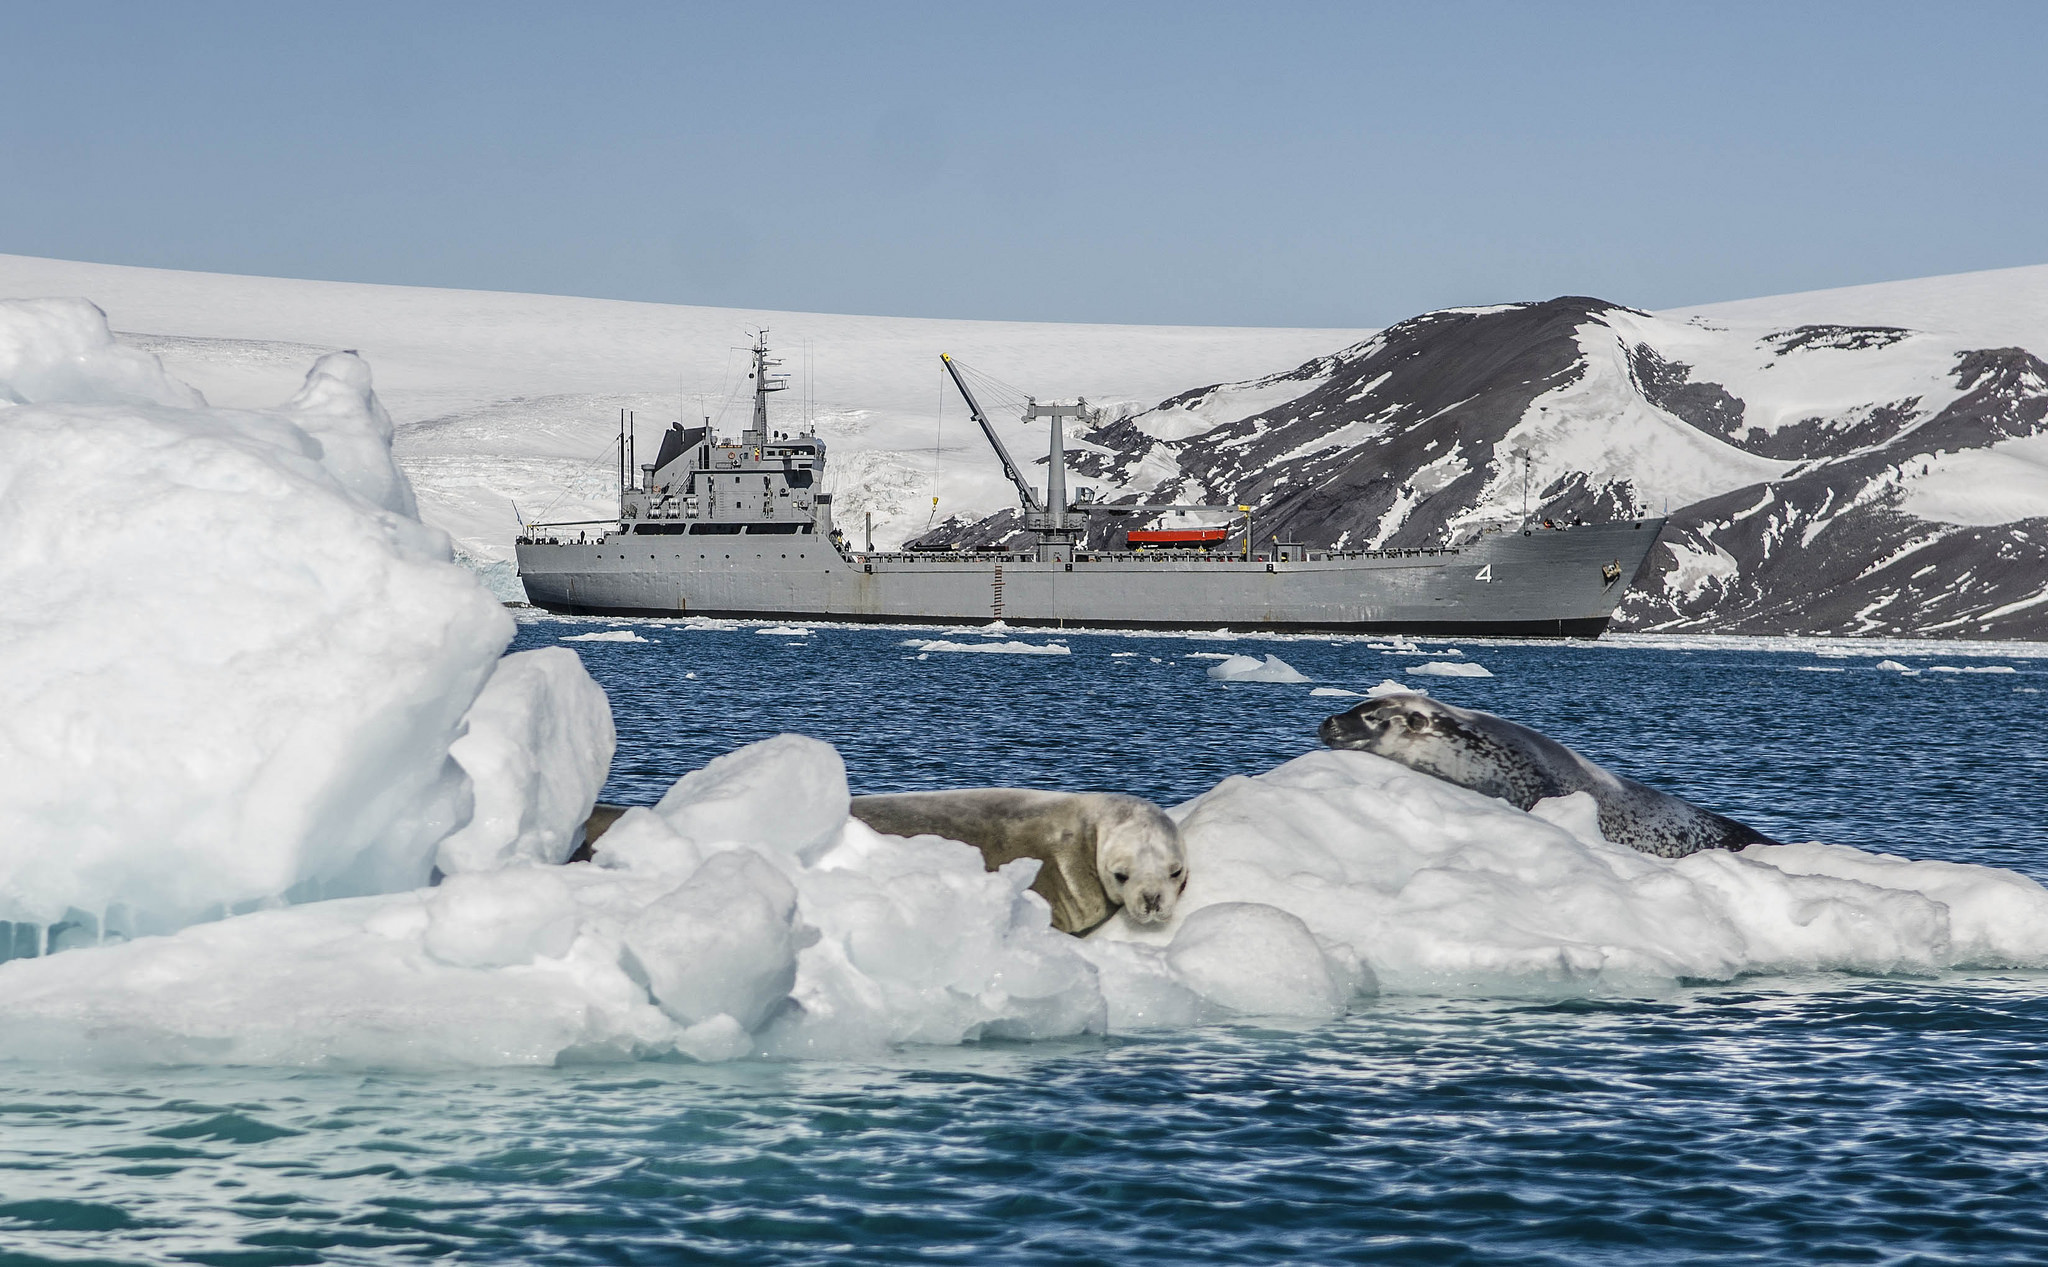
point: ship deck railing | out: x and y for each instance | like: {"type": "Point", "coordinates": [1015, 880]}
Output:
{"type": "Point", "coordinates": [1142, 556]}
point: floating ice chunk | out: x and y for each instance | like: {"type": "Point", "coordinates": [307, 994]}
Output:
{"type": "Point", "coordinates": [922, 943]}
{"type": "Point", "coordinates": [609, 635]}
{"type": "Point", "coordinates": [1893, 666]}
{"type": "Point", "coordinates": [784, 631]}
{"type": "Point", "coordinates": [1989, 668]}
{"type": "Point", "coordinates": [1337, 690]}
{"type": "Point", "coordinates": [1833, 653]}
{"type": "Point", "coordinates": [1388, 686]}
{"type": "Point", "coordinates": [724, 943]}
{"type": "Point", "coordinates": [537, 750]}
{"type": "Point", "coordinates": [1440, 889]}
{"type": "Point", "coordinates": [263, 705]}
{"type": "Point", "coordinates": [1122, 655]}
{"type": "Point", "coordinates": [1211, 655]}
{"type": "Point", "coordinates": [1820, 668]}
{"type": "Point", "coordinates": [501, 918]}
{"type": "Point", "coordinates": [1943, 668]}
{"type": "Point", "coordinates": [787, 794]}
{"type": "Point", "coordinates": [1257, 960]}
{"type": "Point", "coordinates": [996, 626]}
{"type": "Point", "coordinates": [1450, 668]}
{"type": "Point", "coordinates": [1244, 668]}
{"type": "Point", "coordinates": [996, 648]}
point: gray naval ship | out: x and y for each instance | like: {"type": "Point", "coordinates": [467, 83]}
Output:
{"type": "Point", "coordinates": [743, 528]}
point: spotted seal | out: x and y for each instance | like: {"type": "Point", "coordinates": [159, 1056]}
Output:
{"type": "Point", "coordinates": [1496, 757]}
{"type": "Point", "coordinates": [1098, 850]}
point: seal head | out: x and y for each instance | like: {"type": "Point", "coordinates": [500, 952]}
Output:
{"type": "Point", "coordinates": [1139, 858]}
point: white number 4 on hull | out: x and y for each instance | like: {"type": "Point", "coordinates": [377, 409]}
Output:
{"type": "Point", "coordinates": [1485, 573]}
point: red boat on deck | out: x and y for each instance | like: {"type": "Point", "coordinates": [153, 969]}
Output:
{"type": "Point", "coordinates": [1177, 538]}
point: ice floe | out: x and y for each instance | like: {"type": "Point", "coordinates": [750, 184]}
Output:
{"type": "Point", "coordinates": [747, 915]}
{"type": "Point", "coordinates": [1451, 668]}
{"type": "Point", "coordinates": [991, 648]}
{"type": "Point", "coordinates": [608, 635]}
{"type": "Point", "coordinates": [1245, 668]}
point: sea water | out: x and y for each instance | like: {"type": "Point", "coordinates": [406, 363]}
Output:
{"type": "Point", "coordinates": [1808, 1119]}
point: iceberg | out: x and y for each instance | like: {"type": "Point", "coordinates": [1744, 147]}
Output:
{"type": "Point", "coordinates": [239, 666]}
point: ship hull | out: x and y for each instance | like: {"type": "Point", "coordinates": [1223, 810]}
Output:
{"type": "Point", "coordinates": [1544, 583]}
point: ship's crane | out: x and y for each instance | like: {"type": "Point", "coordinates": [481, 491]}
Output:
{"type": "Point", "coordinates": [1027, 494]}
{"type": "Point", "coordinates": [1047, 516]}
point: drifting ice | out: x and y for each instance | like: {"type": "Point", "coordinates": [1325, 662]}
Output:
{"type": "Point", "coordinates": [990, 648]}
{"type": "Point", "coordinates": [1450, 668]}
{"type": "Point", "coordinates": [1245, 668]}
{"type": "Point", "coordinates": [609, 635]}
{"type": "Point", "coordinates": [747, 914]}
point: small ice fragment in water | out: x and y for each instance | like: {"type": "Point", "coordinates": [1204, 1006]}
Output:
{"type": "Point", "coordinates": [609, 635]}
{"type": "Point", "coordinates": [999, 648]}
{"type": "Point", "coordinates": [1244, 668]}
{"type": "Point", "coordinates": [1446, 668]}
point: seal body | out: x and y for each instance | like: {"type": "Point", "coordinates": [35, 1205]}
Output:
{"type": "Point", "coordinates": [1496, 757]}
{"type": "Point", "coordinates": [1098, 850]}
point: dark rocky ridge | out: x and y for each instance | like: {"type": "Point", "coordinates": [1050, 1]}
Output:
{"type": "Point", "coordinates": [1405, 440]}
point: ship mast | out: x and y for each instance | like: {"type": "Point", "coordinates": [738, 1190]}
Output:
{"type": "Point", "coordinates": [764, 382]}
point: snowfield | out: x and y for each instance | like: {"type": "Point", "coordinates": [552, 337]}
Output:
{"type": "Point", "coordinates": [1805, 446]}
{"type": "Point", "coordinates": [506, 398]}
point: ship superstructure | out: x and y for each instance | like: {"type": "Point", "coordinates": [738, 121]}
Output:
{"type": "Point", "coordinates": [744, 528]}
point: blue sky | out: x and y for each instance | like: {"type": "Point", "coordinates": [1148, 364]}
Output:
{"type": "Point", "coordinates": [1260, 164]}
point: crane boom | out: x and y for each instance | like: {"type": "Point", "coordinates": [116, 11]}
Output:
{"type": "Point", "coordinates": [1025, 492]}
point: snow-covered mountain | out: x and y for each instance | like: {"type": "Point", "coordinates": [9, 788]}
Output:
{"type": "Point", "coordinates": [1867, 460]}
{"type": "Point", "coordinates": [1837, 476]}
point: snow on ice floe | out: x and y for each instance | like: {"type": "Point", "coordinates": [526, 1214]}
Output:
{"type": "Point", "coordinates": [1451, 668]}
{"type": "Point", "coordinates": [266, 703]}
{"type": "Point", "coordinates": [1245, 668]}
{"type": "Point", "coordinates": [609, 635]}
{"type": "Point", "coordinates": [784, 631]}
{"type": "Point", "coordinates": [1893, 666]}
{"type": "Point", "coordinates": [994, 648]}
{"type": "Point", "coordinates": [747, 915]}
{"type": "Point", "coordinates": [1971, 668]}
